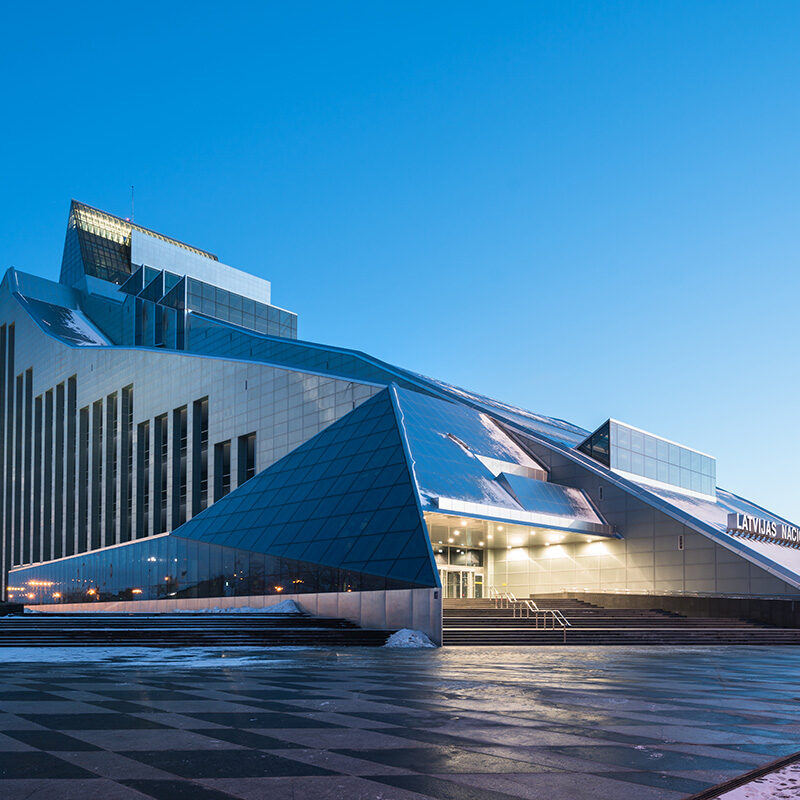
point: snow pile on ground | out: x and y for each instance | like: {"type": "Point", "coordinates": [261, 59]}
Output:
{"type": "Point", "coordinates": [284, 607]}
{"type": "Point", "coordinates": [405, 637]}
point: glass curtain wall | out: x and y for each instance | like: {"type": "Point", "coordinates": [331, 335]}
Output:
{"type": "Point", "coordinates": [170, 566]}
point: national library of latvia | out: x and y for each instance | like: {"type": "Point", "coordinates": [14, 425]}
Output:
{"type": "Point", "coordinates": [166, 438]}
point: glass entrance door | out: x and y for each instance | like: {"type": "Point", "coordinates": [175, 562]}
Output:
{"type": "Point", "coordinates": [461, 583]}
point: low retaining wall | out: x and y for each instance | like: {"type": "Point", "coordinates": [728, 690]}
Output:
{"type": "Point", "coordinates": [773, 611]}
{"type": "Point", "coordinates": [418, 609]}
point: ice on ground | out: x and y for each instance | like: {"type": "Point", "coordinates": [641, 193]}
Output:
{"type": "Point", "coordinates": [783, 784]}
{"type": "Point", "coordinates": [173, 657]}
{"type": "Point", "coordinates": [405, 637]}
{"type": "Point", "coordinates": [284, 607]}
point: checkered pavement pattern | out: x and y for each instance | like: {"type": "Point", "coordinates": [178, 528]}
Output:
{"type": "Point", "coordinates": [463, 724]}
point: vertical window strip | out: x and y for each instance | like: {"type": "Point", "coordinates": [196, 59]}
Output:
{"type": "Point", "coordinates": [18, 473]}
{"type": "Point", "coordinates": [143, 480]}
{"type": "Point", "coordinates": [9, 482]}
{"type": "Point", "coordinates": [222, 469]}
{"type": "Point", "coordinates": [83, 490]}
{"type": "Point", "coordinates": [246, 458]}
{"type": "Point", "coordinates": [27, 531]}
{"type": "Point", "coordinates": [199, 456]}
{"type": "Point", "coordinates": [160, 468]}
{"type": "Point", "coordinates": [111, 471]}
{"type": "Point", "coordinates": [126, 484]}
{"type": "Point", "coordinates": [58, 480]}
{"type": "Point", "coordinates": [179, 465]}
{"type": "Point", "coordinates": [36, 554]}
{"type": "Point", "coordinates": [6, 554]}
{"type": "Point", "coordinates": [47, 467]}
{"type": "Point", "coordinates": [72, 446]}
{"type": "Point", "coordinates": [96, 498]}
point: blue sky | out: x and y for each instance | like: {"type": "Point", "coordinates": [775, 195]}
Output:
{"type": "Point", "coordinates": [586, 209]}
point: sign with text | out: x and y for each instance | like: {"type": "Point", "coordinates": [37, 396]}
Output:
{"type": "Point", "coordinates": [750, 525]}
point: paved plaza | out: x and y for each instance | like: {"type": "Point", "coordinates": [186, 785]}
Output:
{"type": "Point", "coordinates": [363, 724]}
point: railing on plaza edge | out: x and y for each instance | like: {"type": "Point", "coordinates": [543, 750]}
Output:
{"type": "Point", "coordinates": [544, 618]}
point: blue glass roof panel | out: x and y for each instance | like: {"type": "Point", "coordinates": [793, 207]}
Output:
{"type": "Point", "coordinates": [444, 439]}
{"type": "Point", "coordinates": [550, 498]}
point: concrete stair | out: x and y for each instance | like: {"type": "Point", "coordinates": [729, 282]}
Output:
{"type": "Point", "coordinates": [479, 623]}
{"type": "Point", "coordinates": [184, 630]}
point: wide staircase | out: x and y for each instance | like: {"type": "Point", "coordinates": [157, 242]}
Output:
{"type": "Point", "coordinates": [184, 630]}
{"type": "Point", "coordinates": [506, 620]}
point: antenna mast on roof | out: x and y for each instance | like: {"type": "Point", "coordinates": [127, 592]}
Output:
{"type": "Point", "coordinates": [132, 207]}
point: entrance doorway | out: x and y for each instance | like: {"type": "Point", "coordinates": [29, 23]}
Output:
{"type": "Point", "coordinates": [461, 584]}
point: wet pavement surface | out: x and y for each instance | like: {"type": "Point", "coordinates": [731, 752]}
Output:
{"type": "Point", "coordinates": [363, 724]}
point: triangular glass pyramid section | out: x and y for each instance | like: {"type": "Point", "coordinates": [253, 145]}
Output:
{"type": "Point", "coordinates": [343, 499]}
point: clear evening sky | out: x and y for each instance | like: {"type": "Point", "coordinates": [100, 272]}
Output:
{"type": "Point", "coordinates": [585, 209]}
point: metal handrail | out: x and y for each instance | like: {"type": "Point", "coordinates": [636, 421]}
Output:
{"type": "Point", "coordinates": [544, 618]}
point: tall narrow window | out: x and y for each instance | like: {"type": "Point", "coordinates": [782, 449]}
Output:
{"type": "Point", "coordinates": [9, 481]}
{"type": "Point", "coordinates": [36, 554]}
{"type": "Point", "coordinates": [72, 444]}
{"type": "Point", "coordinates": [18, 474]}
{"type": "Point", "coordinates": [112, 470]}
{"type": "Point", "coordinates": [97, 474]}
{"type": "Point", "coordinates": [59, 504]}
{"type": "Point", "coordinates": [160, 467]}
{"type": "Point", "coordinates": [143, 481]}
{"type": "Point", "coordinates": [6, 544]}
{"type": "Point", "coordinates": [27, 532]}
{"type": "Point", "coordinates": [83, 482]}
{"type": "Point", "coordinates": [47, 466]}
{"type": "Point", "coordinates": [222, 469]}
{"type": "Point", "coordinates": [126, 485]}
{"type": "Point", "coordinates": [246, 458]}
{"type": "Point", "coordinates": [179, 466]}
{"type": "Point", "coordinates": [199, 455]}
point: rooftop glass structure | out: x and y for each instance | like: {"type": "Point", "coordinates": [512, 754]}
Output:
{"type": "Point", "coordinates": [631, 451]}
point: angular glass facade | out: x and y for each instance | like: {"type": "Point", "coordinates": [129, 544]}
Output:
{"type": "Point", "coordinates": [345, 498]}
